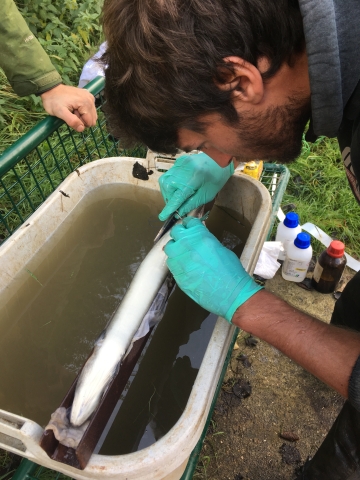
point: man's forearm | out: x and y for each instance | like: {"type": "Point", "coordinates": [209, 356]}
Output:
{"type": "Point", "coordinates": [326, 351]}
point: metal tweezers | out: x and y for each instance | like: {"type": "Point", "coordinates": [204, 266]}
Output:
{"type": "Point", "coordinates": [170, 222]}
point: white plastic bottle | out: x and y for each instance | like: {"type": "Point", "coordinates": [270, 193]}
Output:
{"type": "Point", "coordinates": [287, 232]}
{"type": "Point", "coordinates": [298, 256]}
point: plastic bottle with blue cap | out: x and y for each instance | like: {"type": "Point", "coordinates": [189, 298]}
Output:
{"type": "Point", "coordinates": [298, 257]}
{"type": "Point", "coordinates": [287, 232]}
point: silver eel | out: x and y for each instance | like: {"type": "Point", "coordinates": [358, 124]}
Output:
{"type": "Point", "coordinates": [110, 349]}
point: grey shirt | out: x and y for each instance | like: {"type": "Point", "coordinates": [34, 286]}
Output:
{"type": "Point", "coordinates": [332, 35]}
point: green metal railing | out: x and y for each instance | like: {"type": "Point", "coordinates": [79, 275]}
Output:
{"type": "Point", "coordinates": [33, 167]}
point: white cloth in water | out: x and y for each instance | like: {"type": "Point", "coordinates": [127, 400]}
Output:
{"type": "Point", "coordinates": [155, 312]}
{"type": "Point", "coordinates": [65, 433]}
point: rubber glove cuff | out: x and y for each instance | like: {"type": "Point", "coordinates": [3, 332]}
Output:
{"type": "Point", "coordinates": [247, 291]}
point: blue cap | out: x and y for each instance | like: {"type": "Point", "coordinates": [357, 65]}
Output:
{"type": "Point", "coordinates": [302, 240]}
{"type": "Point", "coordinates": [291, 220]}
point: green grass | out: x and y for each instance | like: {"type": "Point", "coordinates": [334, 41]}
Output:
{"type": "Point", "coordinates": [208, 457]}
{"type": "Point", "coordinates": [17, 115]}
{"type": "Point", "coordinates": [319, 188]}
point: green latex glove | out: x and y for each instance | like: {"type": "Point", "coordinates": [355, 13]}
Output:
{"type": "Point", "coordinates": [206, 271]}
{"type": "Point", "coordinates": [192, 181]}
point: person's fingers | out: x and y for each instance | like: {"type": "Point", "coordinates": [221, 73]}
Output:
{"type": "Point", "coordinates": [195, 201]}
{"type": "Point", "coordinates": [177, 232]}
{"type": "Point", "coordinates": [187, 228]}
{"type": "Point", "coordinates": [87, 111]}
{"type": "Point", "coordinates": [177, 199]}
{"type": "Point", "coordinates": [76, 112]}
{"type": "Point", "coordinates": [191, 222]}
{"type": "Point", "coordinates": [71, 119]}
{"type": "Point", "coordinates": [165, 213]}
{"type": "Point", "coordinates": [75, 106]}
{"type": "Point", "coordinates": [176, 268]}
{"type": "Point", "coordinates": [173, 249]}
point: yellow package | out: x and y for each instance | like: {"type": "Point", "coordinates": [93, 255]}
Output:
{"type": "Point", "coordinates": [254, 168]}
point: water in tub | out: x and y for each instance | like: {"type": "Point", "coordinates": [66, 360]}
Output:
{"type": "Point", "coordinates": [54, 311]}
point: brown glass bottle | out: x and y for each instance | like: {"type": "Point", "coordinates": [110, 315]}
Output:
{"type": "Point", "coordinates": [329, 268]}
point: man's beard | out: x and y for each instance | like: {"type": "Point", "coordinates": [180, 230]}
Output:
{"type": "Point", "coordinates": [276, 135]}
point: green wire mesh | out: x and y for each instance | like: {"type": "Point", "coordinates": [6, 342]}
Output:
{"type": "Point", "coordinates": [33, 167]}
{"type": "Point", "coordinates": [275, 178]}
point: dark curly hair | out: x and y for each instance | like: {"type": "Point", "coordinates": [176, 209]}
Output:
{"type": "Point", "coordinates": [163, 58]}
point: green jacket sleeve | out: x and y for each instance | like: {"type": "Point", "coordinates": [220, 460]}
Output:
{"type": "Point", "coordinates": [25, 63]}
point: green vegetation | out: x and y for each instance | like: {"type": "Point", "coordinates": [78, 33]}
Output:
{"type": "Point", "coordinates": [319, 189]}
{"type": "Point", "coordinates": [17, 115]}
{"type": "Point", "coordinates": [70, 33]}
{"type": "Point", "coordinates": [209, 453]}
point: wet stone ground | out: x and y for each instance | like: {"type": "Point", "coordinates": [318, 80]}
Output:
{"type": "Point", "coordinates": [271, 415]}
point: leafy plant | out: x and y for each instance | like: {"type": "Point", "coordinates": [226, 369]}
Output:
{"type": "Point", "coordinates": [69, 31]}
{"type": "Point", "coordinates": [319, 189]}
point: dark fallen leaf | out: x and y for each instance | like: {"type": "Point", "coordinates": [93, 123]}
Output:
{"type": "Point", "coordinates": [140, 172]}
{"type": "Point", "coordinates": [242, 389]}
{"type": "Point", "coordinates": [305, 284]}
{"type": "Point", "coordinates": [221, 409]}
{"type": "Point", "coordinates": [227, 388]}
{"type": "Point", "coordinates": [289, 454]}
{"type": "Point", "coordinates": [250, 341]}
{"type": "Point", "coordinates": [244, 359]}
{"type": "Point", "coordinates": [289, 436]}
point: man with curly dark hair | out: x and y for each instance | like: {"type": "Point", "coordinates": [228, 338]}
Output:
{"type": "Point", "coordinates": [239, 80]}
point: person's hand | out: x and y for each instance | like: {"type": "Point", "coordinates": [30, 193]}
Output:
{"type": "Point", "coordinates": [207, 271]}
{"type": "Point", "coordinates": [192, 181]}
{"type": "Point", "coordinates": [75, 106]}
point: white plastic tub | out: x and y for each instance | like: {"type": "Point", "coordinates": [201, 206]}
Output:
{"type": "Point", "coordinates": [167, 458]}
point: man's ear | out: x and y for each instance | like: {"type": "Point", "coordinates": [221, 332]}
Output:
{"type": "Point", "coordinates": [243, 79]}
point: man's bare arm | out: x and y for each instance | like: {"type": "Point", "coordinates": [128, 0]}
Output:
{"type": "Point", "coordinates": [326, 351]}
